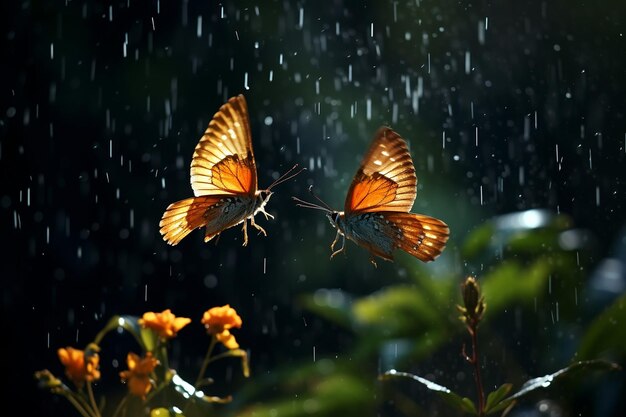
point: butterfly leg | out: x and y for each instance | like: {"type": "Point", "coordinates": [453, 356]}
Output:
{"type": "Point", "coordinates": [245, 233]}
{"type": "Point", "coordinates": [343, 244]}
{"type": "Point", "coordinates": [265, 213]}
{"type": "Point", "coordinates": [256, 226]}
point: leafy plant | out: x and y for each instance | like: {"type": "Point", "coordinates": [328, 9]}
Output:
{"type": "Point", "coordinates": [154, 388]}
{"type": "Point", "coordinates": [498, 400]}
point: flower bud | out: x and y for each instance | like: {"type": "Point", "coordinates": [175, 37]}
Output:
{"type": "Point", "coordinates": [471, 294]}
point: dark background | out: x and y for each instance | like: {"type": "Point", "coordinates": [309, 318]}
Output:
{"type": "Point", "coordinates": [507, 106]}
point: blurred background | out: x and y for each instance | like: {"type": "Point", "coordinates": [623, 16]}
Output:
{"type": "Point", "coordinates": [515, 116]}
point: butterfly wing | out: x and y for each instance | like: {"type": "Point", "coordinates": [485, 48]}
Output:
{"type": "Point", "coordinates": [421, 236]}
{"type": "Point", "coordinates": [223, 162]}
{"type": "Point", "coordinates": [386, 179]}
{"type": "Point", "coordinates": [381, 233]}
{"type": "Point", "coordinates": [222, 167]}
{"type": "Point", "coordinates": [181, 217]}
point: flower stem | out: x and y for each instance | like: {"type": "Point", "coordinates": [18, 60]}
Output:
{"type": "Point", "coordinates": [121, 405]}
{"type": "Point", "coordinates": [77, 404]}
{"type": "Point", "coordinates": [475, 360]}
{"type": "Point", "coordinates": [92, 399]}
{"type": "Point", "coordinates": [206, 361]}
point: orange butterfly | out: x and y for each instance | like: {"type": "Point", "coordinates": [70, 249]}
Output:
{"type": "Point", "coordinates": [224, 180]}
{"type": "Point", "coordinates": [376, 214]}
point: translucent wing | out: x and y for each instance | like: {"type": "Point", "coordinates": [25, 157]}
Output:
{"type": "Point", "coordinates": [386, 180]}
{"type": "Point", "coordinates": [181, 217]}
{"type": "Point", "coordinates": [223, 162]}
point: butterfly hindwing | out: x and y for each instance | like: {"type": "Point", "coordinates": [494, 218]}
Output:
{"type": "Point", "coordinates": [223, 161]}
{"type": "Point", "coordinates": [421, 236]}
{"type": "Point", "coordinates": [386, 179]}
{"type": "Point", "coordinates": [183, 216]}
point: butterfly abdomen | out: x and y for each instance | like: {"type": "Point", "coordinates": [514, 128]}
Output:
{"type": "Point", "coordinates": [228, 212]}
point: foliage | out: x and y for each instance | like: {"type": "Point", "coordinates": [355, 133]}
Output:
{"type": "Point", "coordinates": [151, 382]}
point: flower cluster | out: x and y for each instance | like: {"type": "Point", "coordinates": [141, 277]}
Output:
{"type": "Point", "coordinates": [218, 321]}
{"type": "Point", "coordinates": [146, 374]}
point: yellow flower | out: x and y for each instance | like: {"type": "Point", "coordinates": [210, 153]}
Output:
{"type": "Point", "coordinates": [219, 320]}
{"type": "Point", "coordinates": [138, 374]}
{"type": "Point", "coordinates": [165, 324]}
{"type": "Point", "coordinates": [78, 367]}
{"type": "Point", "coordinates": [227, 339]}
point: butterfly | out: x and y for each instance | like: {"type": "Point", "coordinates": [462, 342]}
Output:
{"type": "Point", "coordinates": [223, 179]}
{"type": "Point", "coordinates": [377, 209]}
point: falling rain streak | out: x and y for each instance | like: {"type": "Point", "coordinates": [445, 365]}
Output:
{"type": "Point", "coordinates": [103, 115]}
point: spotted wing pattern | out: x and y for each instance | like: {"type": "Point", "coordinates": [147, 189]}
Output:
{"type": "Point", "coordinates": [223, 162]}
{"type": "Point", "coordinates": [421, 236]}
{"type": "Point", "coordinates": [386, 180]}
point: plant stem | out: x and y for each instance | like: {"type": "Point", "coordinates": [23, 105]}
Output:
{"type": "Point", "coordinates": [121, 405]}
{"type": "Point", "coordinates": [79, 407]}
{"type": "Point", "coordinates": [92, 399]}
{"type": "Point", "coordinates": [205, 362]}
{"type": "Point", "coordinates": [476, 362]}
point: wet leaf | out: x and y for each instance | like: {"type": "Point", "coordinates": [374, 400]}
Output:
{"type": "Point", "coordinates": [605, 333]}
{"type": "Point", "coordinates": [495, 397]}
{"type": "Point", "coordinates": [453, 399]}
{"type": "Point", "coordinates": [546, 381]}
{"type": "Point", "coordinates": [128, 323]}
{"type": "Point", "coordinates": [166, 412]}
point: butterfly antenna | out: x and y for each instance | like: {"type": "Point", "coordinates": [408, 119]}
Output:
{"type": "Point", "coordinates": [286, 176]}
{"type": "Point", "coordinates": [308, 204]}
{"type": "Point", "coordinates": [326, 206]}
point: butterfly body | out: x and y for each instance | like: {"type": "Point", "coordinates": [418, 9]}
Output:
{"type": "Point", "coordinates": [223, 178]}
{"type": "Point", "coordinates": [376, 214]}
{"type": "Point", "coordinates": [383, 232]}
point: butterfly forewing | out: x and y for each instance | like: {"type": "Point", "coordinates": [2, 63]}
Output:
{"type": "Point", "coordinates": [386, 179]}
{"type": "Point", "coordinates": [223, 162]}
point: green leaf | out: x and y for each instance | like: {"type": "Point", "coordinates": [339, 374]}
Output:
{"type": "Point", "coordinates": [495, 397]}
{"type": "Point", "coordinates": [605, 333]}
{"type": "Point", "coordinates": [396, 311]}
{"type": "Point", "coordinates": [547, 380]}
{"type": "Point", "coordinates": [453, 399]}
{"type": "Point", "coordinates": [339, 394]}
{"type": "Point", "coordinates": [131, 325]}
{"type": "Point", "coordinates": [149, 339]}
{"type": "Point", "coordinates": [478, 240]}
{"type": "Point", "coordinates": [513, 282]}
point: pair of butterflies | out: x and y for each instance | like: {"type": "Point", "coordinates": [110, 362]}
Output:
{"type": "Point", "coordinates": [376, 214]}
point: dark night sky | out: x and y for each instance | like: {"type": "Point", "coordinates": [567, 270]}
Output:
{"type": "Point", "coordinates": [102, 104]}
